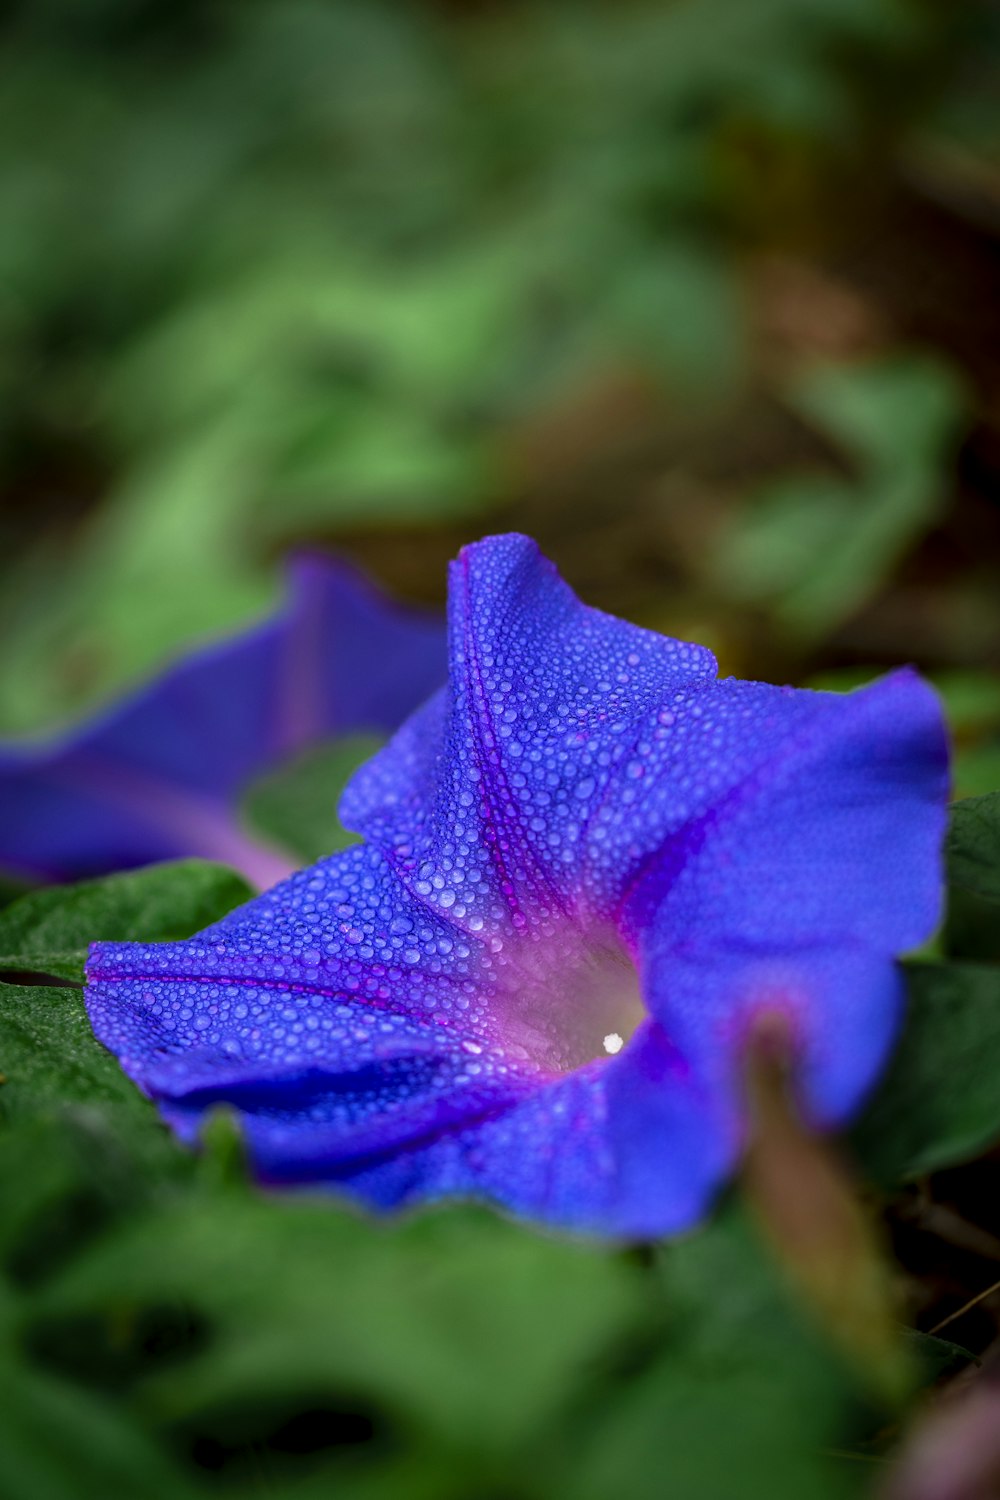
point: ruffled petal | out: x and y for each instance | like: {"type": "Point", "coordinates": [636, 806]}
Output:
{"type": "Point", "coordinates": [795, 892]}
{"type": "Point", "coordinates": [837, 835]}
{"type": "Point", "coordinates": [484, 801]}
{"type": "Point", "coordinates": [570, 750]}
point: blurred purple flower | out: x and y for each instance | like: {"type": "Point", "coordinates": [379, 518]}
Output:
{"type": "Point", "coordinates": [591, 867]}
{"type": "Point", "coordinates": [159, 775]}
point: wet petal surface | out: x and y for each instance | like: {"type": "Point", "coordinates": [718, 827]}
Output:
{"type": "Point", "coordinates": [591, 867]}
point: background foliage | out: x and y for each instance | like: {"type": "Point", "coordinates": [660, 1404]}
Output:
{"type": "Point", "coordinates": [704, 295]}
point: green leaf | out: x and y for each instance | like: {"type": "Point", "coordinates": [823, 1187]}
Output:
{"type": "Point", "coordinates": [939, 1103]}
{"type": "Point", "coordinates": [296, 806]}
{"type": "Point", "coordinates": [737, 1359]}
{"type": "Point", "coordinates": [977, 768]}
{"type": "Point", "coordinates": [793, 521]}
{"type": "Point", "coordinates": [678, 308]}
{"type": "Point", "coordinates": [971, 932]}
{"type": "Point", "coordinates": [60, 1442]}
{"type": "Point", "coordinates": [49, 931]}
{"type": "Point", "coordinates": [891, 415]}
{"type": "Point", "coordinates": [426, 1332]}
{"type": "Point", "coordinates": [432, 1322]}
{"type": "Point", "coordinates": [814, 547]}
{"type": "Point", "coordinates": [66, 1174]}
{"type": "Point", "coordinates": [971, 700]}
{"type": "Point", "coordinates": [11, 889]}
{"type": "Point", "coordinates": [50, 1058]}
{"type": "Point", "coordinates": [973, 846]}
{"type": "Point", "coordinates": [939, 1359]}
{"type": "Point", "coordinates": [972, 927]}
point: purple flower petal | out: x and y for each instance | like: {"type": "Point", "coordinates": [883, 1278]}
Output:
{"type": "Point", "coordinates": [591, 867]}
{"type": "Point", "coordinates": [159, 775]}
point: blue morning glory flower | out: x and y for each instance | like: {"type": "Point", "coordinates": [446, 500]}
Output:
{"type": "Point", "coordinates": [159, 775]}
{"type": "Point", "coordinates": [590, 868]}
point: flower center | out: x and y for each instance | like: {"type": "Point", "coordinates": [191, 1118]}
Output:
{"type": "Point", "coordinates": [565, 1002]}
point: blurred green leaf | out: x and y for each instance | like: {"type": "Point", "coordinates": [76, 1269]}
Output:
{"type": "Point", "coordinates": [67, 1173]}
{"type": "Point", "coordinates": [432, 1320]}
{"type": "Point", "coordinates": [940, 1359]}
{"type": "Point", "coordinates": [296, 807]}
{"type": "Point", "coordinates": [890, 417]}
{"type": "Point", "coordinates": [792, 524]}
{"type": "Point", "coordinates": [971, 700]}
{"type": "Point", "coordinates": [60, 1442]}
{"type": "Point", "coordinates": [325, 258]}
{"type": "Point", "coordinates": [738, 1359]}
{"type": "Point", "coordinates": [426, 1339]}
{"type": "Point", "coordinates": [679, 311]}
{"type": "Point", "coordinates": [48, 931]}
{"type": "Point", "coordinates": [938, 1104]}
{"type": "Point", "coordinates": [974, 846]}
{"type": "Point", "coordinates": [977, 769]}
{"type": "Point", "coordinates": [971, 931]}
{"type": "Point", "coordinates": [972, 925]}
{"type": "Point", "coordinates": [814, 549]}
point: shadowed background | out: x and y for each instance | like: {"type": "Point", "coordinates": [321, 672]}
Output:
{"type": "Point", "coordinates": [702, 294]}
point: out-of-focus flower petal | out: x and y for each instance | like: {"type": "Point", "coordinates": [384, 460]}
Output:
{"type": "Point", "coordinates": [159, 775]}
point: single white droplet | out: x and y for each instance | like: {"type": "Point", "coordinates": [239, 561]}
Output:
{"type": "Point", "coordinates": [613, 1042]}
